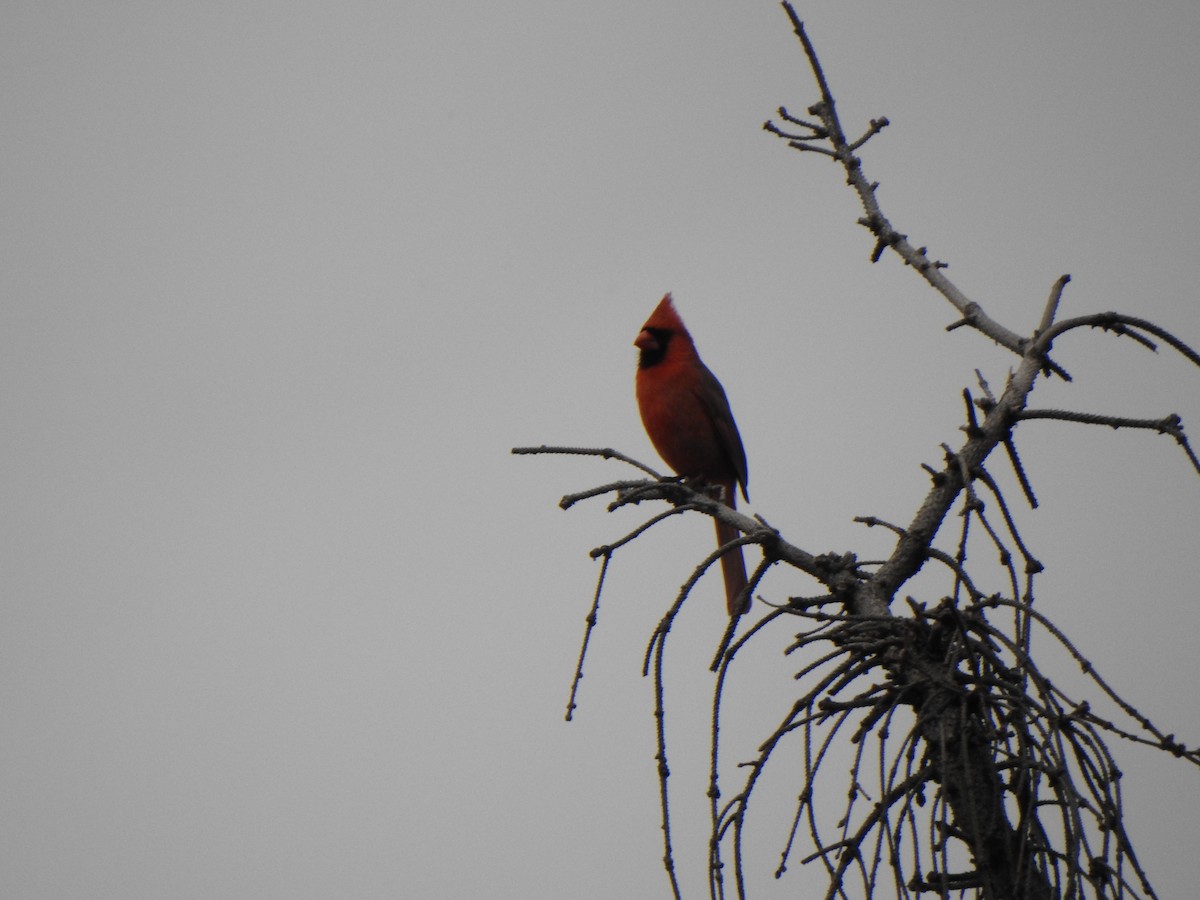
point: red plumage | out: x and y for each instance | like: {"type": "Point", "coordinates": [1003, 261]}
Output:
{"type": "Point", "coordinates": [687, 417]}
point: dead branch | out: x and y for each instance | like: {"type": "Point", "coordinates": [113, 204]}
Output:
{"type": "Point", "coordinates": [990, 778]}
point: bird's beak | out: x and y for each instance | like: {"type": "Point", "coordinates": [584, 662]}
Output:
{"type": "Point", "coordinates": [645, 340]}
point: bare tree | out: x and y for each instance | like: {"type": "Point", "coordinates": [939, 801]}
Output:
{"type": "Point", "coordinates": [972, 773]}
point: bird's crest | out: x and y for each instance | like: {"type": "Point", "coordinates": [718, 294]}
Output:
{"type": "Point", "coordinates": [665, 317]}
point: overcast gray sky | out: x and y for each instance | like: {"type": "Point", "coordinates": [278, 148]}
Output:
{"type": "Point", "coordinates": [283, 282]}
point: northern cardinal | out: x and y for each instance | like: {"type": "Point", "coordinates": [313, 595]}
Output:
{"type": "Point", "coordinates": [688, 419]}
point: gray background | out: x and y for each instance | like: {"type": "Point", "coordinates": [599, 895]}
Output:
{"type": "Point", "coordinates": [283, 282]}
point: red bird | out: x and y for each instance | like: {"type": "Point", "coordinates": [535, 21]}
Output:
{"type": "Point", "coordinates": [688, 419]}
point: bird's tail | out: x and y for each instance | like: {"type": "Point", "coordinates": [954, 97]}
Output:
{"type": "Point", "coordinates": [733, 566]}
